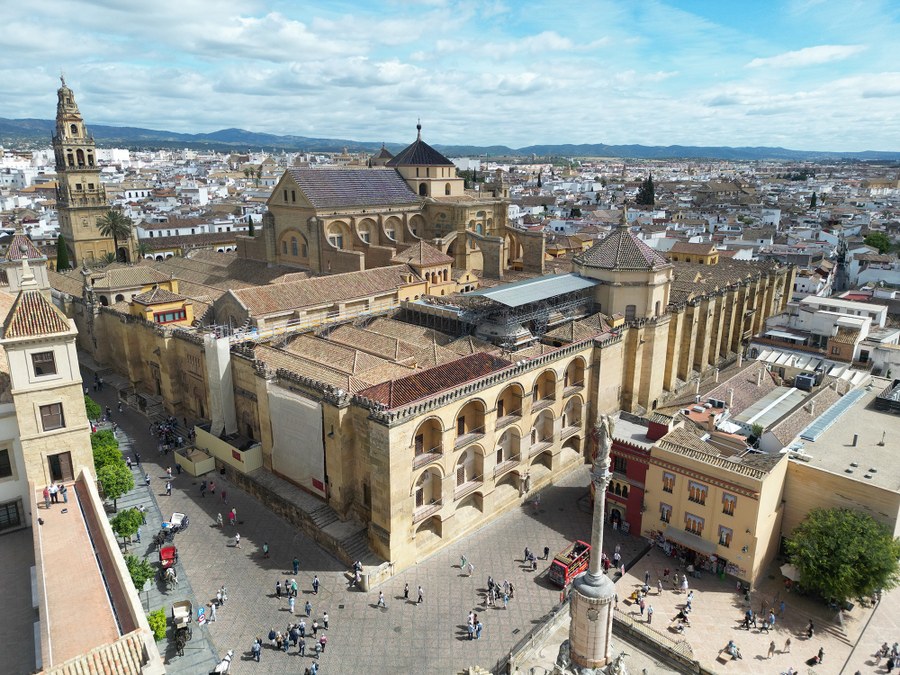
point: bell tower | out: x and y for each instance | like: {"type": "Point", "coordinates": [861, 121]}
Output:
{"type": "Point", "coordinates": [80, 196]}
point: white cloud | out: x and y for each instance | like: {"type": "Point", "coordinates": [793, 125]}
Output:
{"type": "Point", "coordinates": [808, 56]}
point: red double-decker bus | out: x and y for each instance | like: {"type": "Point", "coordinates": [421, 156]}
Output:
{"type": "Point", "coordinates": [569, 563]}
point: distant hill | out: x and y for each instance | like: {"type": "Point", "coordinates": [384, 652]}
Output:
{"type": "Point", "coordinates": [15, 131]}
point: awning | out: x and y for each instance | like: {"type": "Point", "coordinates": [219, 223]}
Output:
{"type": "Point", "coordinates": [692, 541]}
{"type": "Point", "coordinates": [790, 572]}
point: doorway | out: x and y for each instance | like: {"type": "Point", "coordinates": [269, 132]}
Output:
{"type": "Point", "coordinates": [60, 467]}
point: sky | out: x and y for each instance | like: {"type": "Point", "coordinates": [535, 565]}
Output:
{"type": "Point", "coordinates": [801, 74]}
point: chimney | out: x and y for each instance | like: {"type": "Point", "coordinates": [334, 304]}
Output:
{"type": "Point", "coordinates": [812, 409]}
{"type": "Point", "coordinates": [740, 359]}
{"type": "Point", "coordinates": [759, 377]}
{"type": "Point", "coordinates": [697, 387]}
{"type": "Point", "coordinates": [717, 376]}
{"type": "Point", "coordinates": [711, 422]}
{"type": "Point", "coordinates": [731, 398]}
{"type": "Point", "coordinates": [855, 439]}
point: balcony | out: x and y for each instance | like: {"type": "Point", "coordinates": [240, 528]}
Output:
{"type": "Point", "coordinates": [513, 416]}
{"type": "Point", "coordinates": [470, 436]}
{"type": "Point", "coordinates": [506, 466]}
{"type": "Point", "coordinates": [467, 488]}
{"type": "Point", "coordinates": [573, 388]}
{"type": "Point", "coordinates": [423, 512]}
{"type": "Point", "coordinates": [542, 403]}
{"type": "Point", "coordinates": [427, 457]}
{"type": "Point", "coordinates": [568, 431]}
{"type": "Point", "coordinates": [539, 447]}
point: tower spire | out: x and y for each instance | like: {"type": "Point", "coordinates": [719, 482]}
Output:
{"type": "Point", "coordinates": [419, 129]}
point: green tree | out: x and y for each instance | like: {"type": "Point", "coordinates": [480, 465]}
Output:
{"type": "Point", "coordinates": [576, 212]}
{"type": "Point", "coordinates": [117, 480]}
{"type": "Point", "coordinates": [62, 254]}
{"type": "Point", "coordinates": [140, 570]}
{"type": "Point", "coordinates": [813, 200]}
{"type": "Point", "coordinates": [250, 228]}
{"type": "Point", "coordinates": [117, 225]}
{"type": "Point", "coordinates": [540, 182]}
{"type": "Point", "coordinates": [143, 249]}
{"type": "Point", "coordinates": [108, 258]}
{"type": "Point", "coordinates": [843, 554]}
{"type": "Point", "coordinates": [93, 410]}
{"type": "Point", "coordinates": [879, 240]}
{"type": "Point", "coordinates": [126, 524]}
{"type": "Point", "coordinates": [157, 621]}
{"type": "Point", "coordinates": [646, 193]}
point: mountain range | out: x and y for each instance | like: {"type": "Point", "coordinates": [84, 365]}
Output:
{"type": "Point", "coordinates": [17, 131]}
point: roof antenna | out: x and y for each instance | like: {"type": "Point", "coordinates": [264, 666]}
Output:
{"type": "Point", "coordinates": [419, 129]}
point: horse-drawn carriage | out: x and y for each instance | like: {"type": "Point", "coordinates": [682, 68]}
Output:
{"type": "Point", "coordinates": [178, 523]}
{"type": "Point", "coordinates": [168, 556]}
{"type": "Point", "coordinates": [182, 615]}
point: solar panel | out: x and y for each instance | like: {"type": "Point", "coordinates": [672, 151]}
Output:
{"type": "Point", "coordinates": [830, 416]}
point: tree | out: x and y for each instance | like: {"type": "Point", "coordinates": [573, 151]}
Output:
{"type": "Point", "coordinates": [91, 408]}
{"type": "Point", "coordinates": [117, 225]}
{"type": "Point", "coordinates": [576, 212]}
{"type": "Point", "coordinates": [126, 524]}
{"type": "Point", "coordinates": [879, 240]}
{"type": "Point", "coordinates": [540, 183]}
{"type": "Point", "coordinates": [250, 228]}
{"type": "Point", "coordinates": [843, 554]}
{"type": "Point", "coordinates": [116, 479]}
{"type": "Point", "coordinates": [646, 194]}
{"type": "Point", "coordinates": [813, 200]}
{"type": "Point", "coordinates": [144, 249]}
{"type": "Point", "coordinates": [140, 570]}
{"type": "Point", "coordinates": [62, 254]}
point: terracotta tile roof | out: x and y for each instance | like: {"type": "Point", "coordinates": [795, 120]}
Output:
{"type": "Point", "coordinates": [347, 359]}
{"type": "Point", "coordinates": [622, 250]}
{"type": "Point", "coordinates": [790, 426]}
{"type": "Point", "coordinates": [422, 254]}
{"type": "Point", "coordinates": [694, 249]}
{"type": "Point", "coordinates": [384, 153]}
{"type": "Point", "coordinates": [275, 298]}
{"type": "Point", "coordinates": [222, 270]}
{"type": "Point", "coordinates": [33, 315]}
{"type": "Point", "coordinates": [118, 276]}
{"type": "Point", "coordinates": [845, 335]}
{"type": "Point", "coordinates": [419, 153]}
{"type": "Point", "coordinates": [20, 246]}
{"type": "Point", "coordinates": [742, 389]}
{"type": "Point", "coordinates": [156, 296]}
{"type": "Point", "coordinates": [575, 331]}
{"type": "Point", "coordinates": [428, 382]}
{"type": "Point", "coordinates": [65, 283]}
{"type": "Point", "coordinates": [337, 188]}
{"type": "Point", "coordinates": [692, 279]}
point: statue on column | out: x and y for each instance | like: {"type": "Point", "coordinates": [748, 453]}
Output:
{"type": "Point", "coordinates": [603, 439]}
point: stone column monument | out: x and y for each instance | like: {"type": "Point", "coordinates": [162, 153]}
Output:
{"type": "Point", "coordinates": [591, 599]}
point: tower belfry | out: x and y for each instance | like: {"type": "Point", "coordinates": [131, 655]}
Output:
{"type": "Point", "coordinates": [80, 196]}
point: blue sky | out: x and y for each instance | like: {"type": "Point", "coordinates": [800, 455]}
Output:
{"type": "Point", "coordinates": [805, 74]}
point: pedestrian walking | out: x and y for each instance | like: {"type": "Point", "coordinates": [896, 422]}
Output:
{"type": "Point", "coordinates": [203, 491]}
{"type": "Point", "coordinates": [810, 630]}
{"type": "Point", "coordinates": [781, 610]}
{"type": "Point", "coordinates": [380, 599]}
{"type": "Point", "coordinates": [212, 611]}
{"type": "Point", "coordinates": [168, 488]}
{"type": "Point", "coordinates": [301, 647]}
{"type": "Point", "coordinates": [506, 601]}
{"type": "Point", "coordinates": [314, 667]}
{"type": "Point", "coordinates": [308, 608]}
{"type": "Point", "coordinates": [278, 589]}
{"type": "Point", "coordinates": [478, 628]}
{"type": "Point", "coordinates": [265, 549]}
{"type": "Point", "coordinates": [659, 586]}
{"type": "Point", "coordinates": [224, 593]}
{"type": "Point", "coordinates": [315, 627]}
{"type": "Point", "coordinates": [315, 585]}
{"type": "Point", "coordinates": [322, 642]}
{"type": "Point", "coordinates": [168, 471]}
{"type": "Point", "coordinates": [325, 620]}
{"type": "Point", "coordinates": [294, 587]}
{"type": "Point", "coordinates": [787, 647]}
{"type": "Point", "coordinates": [219, 597]}
{"type": "Point", "coordinates": [302, 628]}
{"type": "Point", "coordinates": [647, 578]}
{"type": "Point", "coordinates": [771, 652]}
{"type": "Point", "coordinates": [47, 497]}
{"type": "Point", "coordinates": [421, 596]}
{"type": "Point", "coordinates": [291, 601]}
{"type": "Point", "coordinates": [821, 654]}
{"type": "Point", "coordinates": [219, 522]}
{"type": "Point", "coordinates": [256, 649]}
{"type": "Point", "coordinates": [463, 562]}
{"type": "Point", "coordinates": [650, 614]}
{"type": "Point", "coordinates": [237, 540]}
{"type": "Point", "coordinates": [642, 605]}
{"type": "Point", "coordinates": [546, 552]}
{"type": "Point", "coordinates": [471, 569]}
{"type": "Point", "coordinates": [406, 591]}
{"type": "Point", "coordinates": [471, 630]}
{"type": "Point", "coordinates": [224, 497]}
{"type": "Point", "coordinates": [296, 565]}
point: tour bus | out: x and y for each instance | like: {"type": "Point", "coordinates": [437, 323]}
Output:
{"type": "Point", "coordinates": [569, 563]}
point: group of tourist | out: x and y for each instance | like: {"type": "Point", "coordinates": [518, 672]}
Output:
{"type": "Point", "coordinates": [53, 492]}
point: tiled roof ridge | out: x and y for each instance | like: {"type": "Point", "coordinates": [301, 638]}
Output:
{"type": "Point", "coordinates": [419, 153]}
